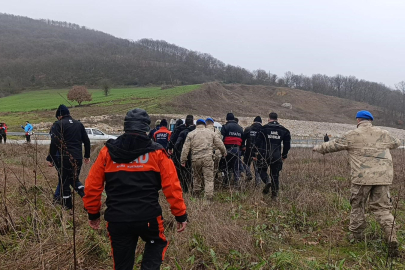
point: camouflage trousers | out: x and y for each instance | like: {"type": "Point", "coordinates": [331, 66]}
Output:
{"type": "Point", "coordinates": [379, 203]}
{"type": "Point", "coordinates": [203, 175]}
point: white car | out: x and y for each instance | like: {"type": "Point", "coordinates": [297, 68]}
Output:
{"type": "Point", "coordinates": [173, 123]}
{"type": "Point", "coordinates": [95, 134]}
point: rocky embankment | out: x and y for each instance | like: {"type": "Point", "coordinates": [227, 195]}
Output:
{"type": "Point", "coordinates": [114, 124]}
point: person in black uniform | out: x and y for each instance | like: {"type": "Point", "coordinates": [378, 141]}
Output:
{"type": "Point", "coordinates": [249, 135]}
{"type": "Point", "coordinates": [65, 150]}
{"type": "Point", "coordinates": [186, 171]}
{"type": "Point", "coordinates": [326, 138]}
{"type": "Point", "coordinates": [232, 137]}
{"type": "Point", "coordinates": [269, 141]}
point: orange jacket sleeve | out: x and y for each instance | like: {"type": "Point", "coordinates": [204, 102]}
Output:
{"type": "Point", "coordinates": [171, 187]}
{"type": "Point", "coordinates": [94, 186]}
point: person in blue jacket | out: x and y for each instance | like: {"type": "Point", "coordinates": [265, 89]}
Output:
{"type": "Point", "coordinates": [28, 131]}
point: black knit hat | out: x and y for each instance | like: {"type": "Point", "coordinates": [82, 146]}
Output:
{"type": "Point", "coordinates": [163, 123]}
{"type": "Point", "coordinates": [257, 119]}
{"type": "Point", "coordinates": [179, 122]}
{"type": "Point", "coordinates": [61, 111]}
{"type": "Point", "coordinates": [137, 120]}
{"type": "Point", "coordinates": [189, 120]}
{"type": "Point", "coordinates": [230, 116]}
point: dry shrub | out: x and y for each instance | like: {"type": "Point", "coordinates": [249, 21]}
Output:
{"type": "Point", "coordinates": [79, 93]}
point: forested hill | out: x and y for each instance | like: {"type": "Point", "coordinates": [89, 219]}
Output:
{"type": "Point", "coordinates": [57, 54]}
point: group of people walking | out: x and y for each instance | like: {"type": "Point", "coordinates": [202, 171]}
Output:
{"type": "Point", "coordinates": [201, 152]}
{"type": "Point", "coordinates": [134, 167]}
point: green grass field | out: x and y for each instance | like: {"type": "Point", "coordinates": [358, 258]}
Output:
{"type": "Point", "coordinates": [38, 106]}
{"type": "Point", "coordinates": [50, 99]}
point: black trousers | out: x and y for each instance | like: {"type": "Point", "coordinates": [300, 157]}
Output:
{"type": "Point", "coordinates": [28, 138]}
{"type": "Point", "coordinates": [69, 173]}
{"type": "Point", "coordinates": [275, 168]}
{"type": "Point", "coordinates": [3, 136]}
{"type": "Point", "coordinates": [124, 239]}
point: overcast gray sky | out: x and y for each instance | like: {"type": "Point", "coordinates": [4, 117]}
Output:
{"type": "Point", "coordinates": [364, 38]}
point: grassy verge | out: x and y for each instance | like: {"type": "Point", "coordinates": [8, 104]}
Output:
{"type": "Point", "coordinates": [241, 229]}
{"type": "Point", "coordinates": [39, 106]}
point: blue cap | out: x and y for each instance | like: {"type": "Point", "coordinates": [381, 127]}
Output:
{"type": "Point", "coordinates": [365, 115]}
{"type": "Point", "coordinates": [209, 119]}
{"type": "Point", "coordinates": [201, 121]}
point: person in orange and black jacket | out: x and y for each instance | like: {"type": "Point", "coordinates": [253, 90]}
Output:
{"type": "Point", "coordinates": [162, 136]}
{"type": "Point", "coordinates": [232, 136]}
{"type": "Point", "coordinates": [132, 169]}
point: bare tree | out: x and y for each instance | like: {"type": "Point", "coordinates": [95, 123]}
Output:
{"type": "Point", "coordinates": [106, 86]}
{"type": "Point", "coordinates": [79, 93]}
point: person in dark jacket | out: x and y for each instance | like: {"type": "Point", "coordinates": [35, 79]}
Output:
{"type": "Point", "coordinates": [186, 171]}
{"type": "Point", "coordinates": [175, 155]}
{"type": "Point", "coordinates": [232, 137]}
{"type": "Point", "coordinates": [250, 136]}
{"type": "Point", "coordinates": [326, 138]}
{"type": "Point", "coordinates": [132, 169]}
{"type": "Point", "coordinates": [162, 136]}
{"type": "Point", "coordinates": [157, 127]}
{"type": "Point", "coordinates": [180, 126]}
{"type": "Point", "coordinates": [65, 150]}
{"type": "Point", "coordinates": [3, 132]}
{"type": "Point", "coordinates": [269, 141]}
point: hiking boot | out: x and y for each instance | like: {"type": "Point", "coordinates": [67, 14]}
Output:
{"type": "Point", "coordinates": [355, 237]}
{"type": "Point", "coordinates": [274, 196]}
{"type": "Point", "coordinates": [266, 189]}
{"type": "Point", "coordinates": [249, 178]}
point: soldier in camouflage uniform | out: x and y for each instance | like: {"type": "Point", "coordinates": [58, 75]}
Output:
{"type": "Point", "coordinates": [371, 175]}
{"type": "Point", "coordinates": [217, 153]}
{"type": "Point", "coordinates": [201, 143]}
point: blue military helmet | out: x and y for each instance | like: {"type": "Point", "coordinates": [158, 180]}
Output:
{"type": "Point", "coordinates": [209, 119]}
{"type": "Point", "coordinates": [201, 121]}
{"type": "Point", "coordinates": [365, 115]}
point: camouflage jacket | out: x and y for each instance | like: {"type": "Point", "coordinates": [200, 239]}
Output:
{"type": "Point", "coordinates": [201, 142]}
{"type": "Point", "coordinates": [370, 157]}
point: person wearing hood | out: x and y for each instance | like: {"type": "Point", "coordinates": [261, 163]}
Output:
{"type": "Point", "coordinates": [200, 143]}
{"type": "Point", "coordinates": [372, 173]}
{"type": "Point", "coordinates": [132, 169]}
{"type": "Point", "coordinates": [326, 138]}
{"type": "Point", "coordinates": [162, 136]}
{"type": "Point", "coordinates": [66, 154]}
{"type": "Point", "coordinates": [157, 127]}
{"type": "Point", "coordinates": [232, 137]}
{"type": "Point", "coordinates": [250, 135]}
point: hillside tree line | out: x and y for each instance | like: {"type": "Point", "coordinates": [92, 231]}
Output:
{"type": "Point", "coordinates": [47, 53]}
